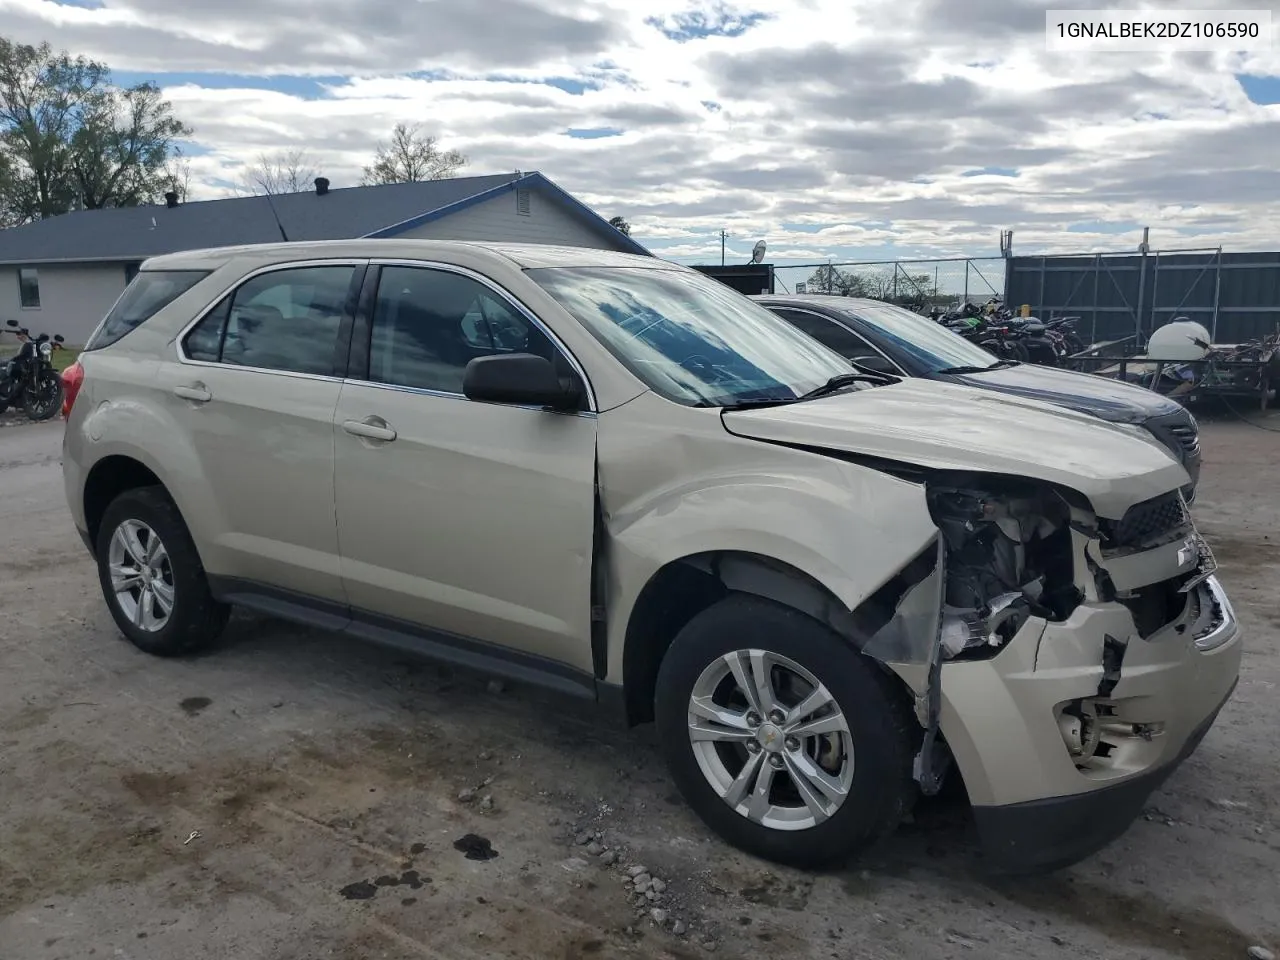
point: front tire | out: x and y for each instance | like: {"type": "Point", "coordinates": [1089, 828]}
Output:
{"type": "Point", "coordinates": [152, 578]}
{"type": "Point", "coordinates": [782, 737]}
{"type": "Point", "coordinates": [44, 399]}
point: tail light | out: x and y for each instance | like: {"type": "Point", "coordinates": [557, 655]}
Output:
{"type": "Point", "coordinates": [72, 381]}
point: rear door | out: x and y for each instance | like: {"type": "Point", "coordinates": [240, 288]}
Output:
{"type": "Point", "coordinates": [475, 519]}
{"type": "Point", "coordinates": [255, 390]}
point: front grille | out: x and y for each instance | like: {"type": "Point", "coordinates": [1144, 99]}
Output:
{"type": "Point", "coordinates": [1188, 438]}
{"type": "Point", "coordinates": [1156, 519]}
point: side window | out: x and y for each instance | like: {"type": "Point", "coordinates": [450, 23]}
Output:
{"type": "Point", "coordinates": [827, 332]}
{"type": "Point", "coordinates": [287, 320]}
{"type": "Point", "coordinates": [429, 324]}
{"type": "Point", "coordinates": [492, 324]}
{"type": "Point", "coordinates": [204, 341]}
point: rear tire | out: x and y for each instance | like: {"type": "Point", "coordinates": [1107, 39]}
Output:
{"type": "Point", "coordinates": [152, 578]}
{"type": "Point", "coordinates": [9, 392]}
{"type": "Point", "coordinates": [866, 745]}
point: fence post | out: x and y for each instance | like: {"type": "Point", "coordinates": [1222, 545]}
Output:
{"type": "Point", "coordinates": [966, 282]}
{"type": "Point", "coordinates": [1217, 294]}
{"type": "Point", "coordinates": [1142, 291]}
{"type": "Point", "coordinates": [1097, 271]}
{"type": "Point", "coordinates": [1155, 290]}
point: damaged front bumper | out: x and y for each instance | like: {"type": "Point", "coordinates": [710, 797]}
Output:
{"type": "Point", "coordinates": [1060, 746]}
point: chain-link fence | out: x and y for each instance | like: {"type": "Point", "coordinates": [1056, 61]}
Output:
{"type": "Point", "coordinates": [921, 283]}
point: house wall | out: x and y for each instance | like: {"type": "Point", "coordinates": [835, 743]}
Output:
{"type": "Point", "coordinates": [497, 221]}
{"type": "Point", "coordinates": [73, 298]}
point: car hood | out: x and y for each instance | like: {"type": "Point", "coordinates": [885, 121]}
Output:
{"type": "Point", "coordinates": [950, 427]}
{"type": "Point", "coordinates": [1086, 392]}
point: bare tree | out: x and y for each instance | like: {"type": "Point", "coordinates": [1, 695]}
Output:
{"type": "Point", "coordinates": [177, 175]}
{"type": "Point", "coordinates": [286, 171]}
{"type": "Point", "coordinates": [411, 156]}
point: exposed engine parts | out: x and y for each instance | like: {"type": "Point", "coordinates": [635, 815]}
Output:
{"type": "Point", "coordinates": [1009, 557]}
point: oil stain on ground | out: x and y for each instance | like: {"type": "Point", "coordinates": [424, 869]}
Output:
{"type": "Point", "coordinates": [193, 705]}
{"type": "Point", "coordinates": [475, 847]}
{"type": "Point", "coordinates": [366, 890]}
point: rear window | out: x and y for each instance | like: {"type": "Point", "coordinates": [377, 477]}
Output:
{"type": "Point", "coordinates": [149, 293]}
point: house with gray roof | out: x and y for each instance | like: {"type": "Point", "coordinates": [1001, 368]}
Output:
{"type": "Point", "coordinates": [61, 275]}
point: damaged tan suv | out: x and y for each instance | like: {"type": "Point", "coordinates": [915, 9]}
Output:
{"type": "Point", "coordinates": [617, 477]}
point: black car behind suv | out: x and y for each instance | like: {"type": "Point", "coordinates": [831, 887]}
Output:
{"type": "Point", "coordinates": [884, 337]}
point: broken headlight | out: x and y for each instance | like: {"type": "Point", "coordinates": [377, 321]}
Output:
{"type": "Point", "coordinates": [1009, 558]}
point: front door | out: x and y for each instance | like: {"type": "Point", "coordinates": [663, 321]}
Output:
{"type": "Point", "coordinates": [474, 519]}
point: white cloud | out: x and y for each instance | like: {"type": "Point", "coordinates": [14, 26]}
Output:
{"type": "Point", "coordinates": [829, 128]}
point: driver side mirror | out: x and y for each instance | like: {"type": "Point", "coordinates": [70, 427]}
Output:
{"type": "Point", "coordinates": [874, 362]}
{"type": "Point", "coordinates": [520, 378]}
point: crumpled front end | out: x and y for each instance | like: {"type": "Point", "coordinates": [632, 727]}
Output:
{"type": "Point", "coordinates": [1081, 659]}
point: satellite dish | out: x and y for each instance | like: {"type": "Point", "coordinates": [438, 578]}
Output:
{"type": "Point", "coordinates": [757, 254]}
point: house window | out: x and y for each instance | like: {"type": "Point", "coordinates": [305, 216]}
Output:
{"type": "Point", "coordinates": [522, 202]}
{"type": "Point", "coordinates": [29, 288]}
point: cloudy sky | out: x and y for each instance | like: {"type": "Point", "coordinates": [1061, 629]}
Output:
{"type": "Point", "coordinates": [831, 128]}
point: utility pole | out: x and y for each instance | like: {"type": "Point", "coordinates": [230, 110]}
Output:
{"type": "Point", "coordinates": [723, 236]}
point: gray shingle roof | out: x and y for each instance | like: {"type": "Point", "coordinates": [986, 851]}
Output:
{"type": "Point", "coordinates": [134, 233]}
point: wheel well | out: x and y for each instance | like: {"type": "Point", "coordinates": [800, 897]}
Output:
{"type": "Point", "coordinates": [110, 477]}
{"type": "Point", "coordinates": [684, 588]}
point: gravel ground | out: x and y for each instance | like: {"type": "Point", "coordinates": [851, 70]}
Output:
{"type": "Point", "coordinates": [348, 803]}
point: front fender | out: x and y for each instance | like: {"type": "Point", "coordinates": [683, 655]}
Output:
{"type": "Point", "coordinates": [671, 491]}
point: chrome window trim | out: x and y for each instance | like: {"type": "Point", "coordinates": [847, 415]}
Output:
{"type": "Point", "coordinates": [240, 281]}
{"type": "Point", "coordinates": [840, 323]}
{"type": "Point", "coordinates": [447, 395]}
{"type": "Point", "coordinates": [502, 294]}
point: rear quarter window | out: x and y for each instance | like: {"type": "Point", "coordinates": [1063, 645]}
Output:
{"type": "Point", "coordinates": [149, 293]}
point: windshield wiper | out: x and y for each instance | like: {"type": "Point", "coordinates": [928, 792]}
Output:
{"type": "Point", "coordinates": [842, 380]}
{"type": "Point", "coordinates": [838, 382]}
{"type": "Point", "coordinates": [995, 366]}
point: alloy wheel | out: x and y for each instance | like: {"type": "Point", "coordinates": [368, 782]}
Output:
{"type": "Point", "coordinates": [771, 740]}
{"type": "Point", "coordinates": [141, 575]}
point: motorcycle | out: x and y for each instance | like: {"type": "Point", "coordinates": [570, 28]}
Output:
{"type": "Point", "coordinates": [30, 377]}
{"type": "Point", "coordinates": [1065, 327]}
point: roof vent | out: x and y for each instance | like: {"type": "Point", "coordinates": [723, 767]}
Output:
{"type": "Point", "coordinates": [322, 186]}
{"type": "Point", "coordinates": [171, 199]}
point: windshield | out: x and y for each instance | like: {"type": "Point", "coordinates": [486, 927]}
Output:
{"type": "Point", "coordinates": [928, 343]}
{"type": "Point", "coordinates": [690, 338]}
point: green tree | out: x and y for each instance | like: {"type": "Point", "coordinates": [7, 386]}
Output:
{"type": "Point", "coordinates": [120, 154]}
{"type": "Point", "coordinates": [621, 225]}
{"type": "Point", "coordinates": [69, 138]}
{"type": "Point", "coordinates": [411, 156]}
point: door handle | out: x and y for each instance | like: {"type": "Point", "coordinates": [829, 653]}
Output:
{"type": "Point", "coordinates": [370, 428]}
{"type": "Point", "coordinates": [196, 392]}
